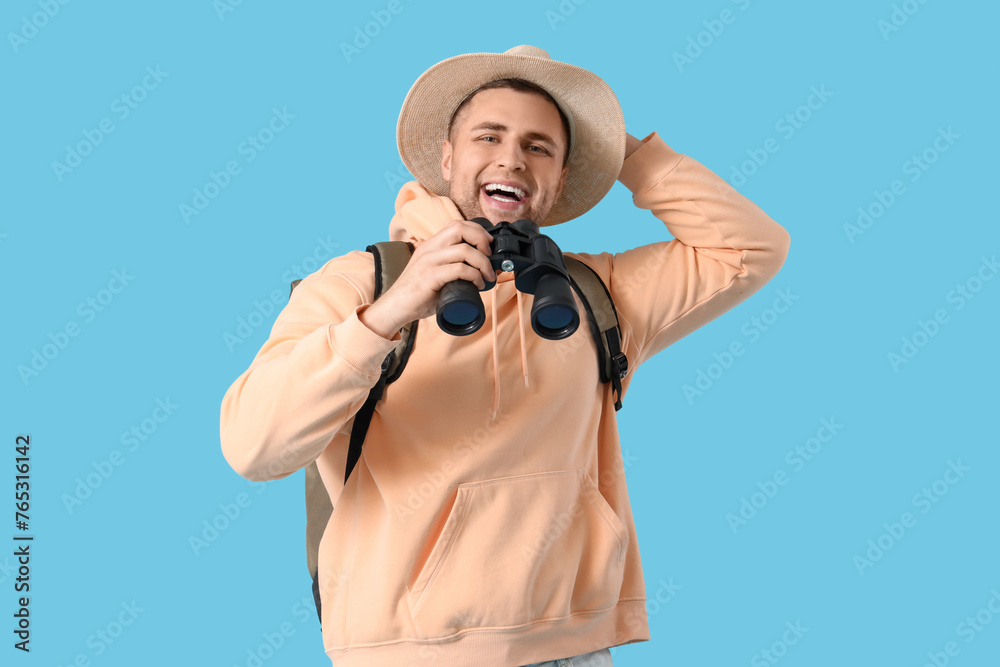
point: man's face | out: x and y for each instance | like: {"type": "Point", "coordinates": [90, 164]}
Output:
{"type": "Point", "coordinates": [509, 138]}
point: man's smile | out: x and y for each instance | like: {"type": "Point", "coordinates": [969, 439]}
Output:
{"type": "Point", "coordinates": [505, 195]}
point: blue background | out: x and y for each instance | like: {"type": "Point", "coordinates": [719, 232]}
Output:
{"type": "Point", "coordinates": [720, 592]}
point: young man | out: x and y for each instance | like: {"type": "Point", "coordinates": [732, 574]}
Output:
{"type": "Point", "coordinates": [487, 522]}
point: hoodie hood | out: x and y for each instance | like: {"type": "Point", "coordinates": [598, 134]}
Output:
{"type": "Point", "coordinates": [419, 215]}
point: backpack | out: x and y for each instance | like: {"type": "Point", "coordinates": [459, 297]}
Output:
{"type": "Point", "coordinates": [391, 258]}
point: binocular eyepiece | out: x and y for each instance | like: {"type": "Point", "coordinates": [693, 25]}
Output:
{"type": "Point", "coordinates": [538, 268]}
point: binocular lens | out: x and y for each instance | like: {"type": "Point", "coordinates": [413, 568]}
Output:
{"type": "Point", "coordinates": [555, 318]}
{"type": "Point", "coordinates": [554, 315]}
{"type": "Point", "coordinates": [460, 314]}
{"type": "Point", "coordinates": [460, 309]}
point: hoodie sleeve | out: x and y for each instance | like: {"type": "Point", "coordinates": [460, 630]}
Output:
{"type": "Point", "coordinates": [724, 249]}
{"type": "Point", "coordinates": [310, 377]}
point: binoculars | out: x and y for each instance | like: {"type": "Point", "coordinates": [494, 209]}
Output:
{"type": "Point", "coordinates": [538, 268]}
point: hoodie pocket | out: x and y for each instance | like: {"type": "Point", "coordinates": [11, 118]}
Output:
{"type": "Point", "coordinates": [520, 549]}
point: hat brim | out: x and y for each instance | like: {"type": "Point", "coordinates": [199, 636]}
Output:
{"type": "Point", "coordinates": [596, 122]}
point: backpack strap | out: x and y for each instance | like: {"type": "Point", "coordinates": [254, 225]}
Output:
{"type": "Point", "coordinates": [318, 512]}
{"type": "Point", "coordinates": [391, 258]}
{"type": "Point", "coordinates": [603, 318]}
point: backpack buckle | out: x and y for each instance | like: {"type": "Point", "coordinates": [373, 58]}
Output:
{"type": "Point", "coordinates": [619, 364]}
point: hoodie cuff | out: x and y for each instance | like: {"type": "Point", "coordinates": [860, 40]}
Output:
{"type": "Point", "coordinates": [359, 346]}
{"type": "Point", "coordinates": [649, 163]}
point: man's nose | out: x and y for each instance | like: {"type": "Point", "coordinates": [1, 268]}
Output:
{"type": "Point", "coordinates": [511, 157]}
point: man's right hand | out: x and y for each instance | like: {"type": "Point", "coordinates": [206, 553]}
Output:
{"type": "Point", "coordinates": [459, 251]}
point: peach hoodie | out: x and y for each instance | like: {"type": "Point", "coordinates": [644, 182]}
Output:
{"type": "Point", "coordinates": [487, 522]}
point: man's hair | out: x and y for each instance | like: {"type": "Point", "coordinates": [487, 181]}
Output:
{"type": "Point", "coordinates": [519, 85]}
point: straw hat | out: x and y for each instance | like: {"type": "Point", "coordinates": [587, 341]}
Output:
{"type": "Point", "coordinates": [597, 127]}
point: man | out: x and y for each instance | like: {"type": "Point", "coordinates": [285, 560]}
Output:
{"type": "Point", "coordinates": [487, 522]}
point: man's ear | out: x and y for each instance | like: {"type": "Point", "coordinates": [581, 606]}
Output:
{"type": "Point", "coordinates": [446, 160]}
{"type": "Point", "coordinates": [562, 180]}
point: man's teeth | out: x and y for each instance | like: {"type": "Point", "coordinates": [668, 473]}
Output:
{"type": "Point", "coordinates": [495, 191]}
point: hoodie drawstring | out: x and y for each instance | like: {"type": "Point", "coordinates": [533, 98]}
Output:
{"type": "Point", "coordinates": [524, 352]}
{"type": "Point", "coordinates": [496, 353]}
{"type": "Point", "coordinates": [496, 356]}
